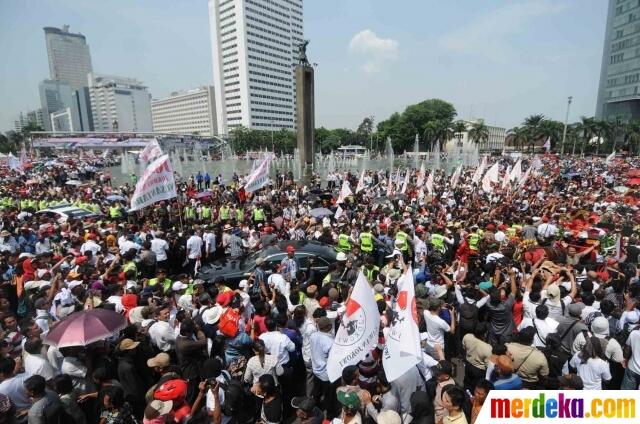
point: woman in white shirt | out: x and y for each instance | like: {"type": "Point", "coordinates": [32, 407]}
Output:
{"type": "Point", "coordinates": [591, 366]}
{"type": "Point", "coordinates": [260, 364]}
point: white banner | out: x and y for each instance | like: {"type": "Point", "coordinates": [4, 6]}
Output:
{"type": "Point", "coordinates": [516, 172]}
{"type": "Point", "coordinates": [456, 176]}
{"type": "Point", "coordinates": [259, 177]}
{"type": "Point", "coordinates": [479, 170]}
{"type": "Point", "coordinates": [157, 183]}
{"type": "Point", "coordinates": [610, 157]}
{"type": "Point", "coordinates": [405, 183]}
{"type": "Point", "coordinates": [345, 192]}
{"type": "Point", "coordinates": [430, 183]}
{"type": "Point", "coordinates": [553, 406]}
{"type": "Point", "coordinates": [151, 151]}
{"type": "Point", "coordinates": [420, 180]}
{"type": "Point", "coordinates": [402, 340]}
{"type": "Point", "coordinates": [358, 332]}
{"type": "Point", "coordinates": [492, 176]}
{"type": "Point", "coordinates": [389, 185]}
{"type": "Point", "coordinates": [360, 185]}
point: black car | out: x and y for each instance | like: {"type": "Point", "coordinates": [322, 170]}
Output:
{"type": "Point", "coordinates": [235, 270]}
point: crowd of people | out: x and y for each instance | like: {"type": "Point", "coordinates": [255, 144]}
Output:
{"type": "Point", "coordinates": [530, 284]}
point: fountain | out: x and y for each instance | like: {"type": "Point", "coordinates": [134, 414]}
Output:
{"type": "Point", "coordinates": [389, 153]}
{"type": "Point", "coordinates": [297, 168]}
{"type": "Point", "coordinates": [436, 156]}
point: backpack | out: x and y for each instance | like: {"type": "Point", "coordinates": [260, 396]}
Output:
{"type": "Point", "coordinates": [236, 400]}
{"type": "Point", "coordinates": [468, 317]}
{"type": "Point", "coordinates": [229, 323]}
{"type": "Point", "coordinates": [622, 335]}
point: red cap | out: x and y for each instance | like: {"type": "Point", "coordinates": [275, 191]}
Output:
{"type": "Point", "coordinates": [382, 226]}
{"type": "Point", "coordinates": [171, 390]}
{"type": "Point", "coordinates": [491, 227]}
{"type": "Point", "coordinates": [80, 260]}
{"type": "Point", "coordinates": [419, 229]}
{"type": "Point", "coordinates": [92, 236]}
{"type": "Point", "coordinates": [290, 249]}
{"type": "Point", "coordinates": [545, 219]}
{"type": "Point", "coordinates": [224, 299]}
{"type": "Point", "coordinates": [502, 227]}
{"type": "Point", "coordinates": [324, 302]}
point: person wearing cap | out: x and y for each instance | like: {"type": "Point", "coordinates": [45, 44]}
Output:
{"type": "Point", "coordinates": [530, 363]}
{"type": "Point", "coordinates": [8, 242]}
{"type": "Point", "coordinates": [290, 266]}
{"type": "Point", "coordinates": [161, 366]}
{"type": "Point", "coordinates": [591, 364]}
{"type": "Point", "coordinates": [558, 305]}
{"type": "Point", "coordinates": [129, 376]}
{"type": "Point", "coordinates": [306, 410]}
{"type": "Point", "coordinates": [350, 403]}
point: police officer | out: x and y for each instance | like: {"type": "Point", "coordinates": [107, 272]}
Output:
{"type": "Point", "coordinates": [344, 241]}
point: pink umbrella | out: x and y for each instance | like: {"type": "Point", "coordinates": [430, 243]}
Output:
{"type": "Point", "coordinates": [85, 327]}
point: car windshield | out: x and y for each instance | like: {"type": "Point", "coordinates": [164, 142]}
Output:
{"type": "Point", "coordinates": [249, 262]}
{"type": "Point", "coordinates": [78, 213]}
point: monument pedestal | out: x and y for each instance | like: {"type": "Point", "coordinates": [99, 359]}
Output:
{"type": "Point", "coordinates": [305, 111]}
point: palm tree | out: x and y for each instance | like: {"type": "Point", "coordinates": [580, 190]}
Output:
{"type": "Point", "coordinates": [618, 128]}
{"type": "Point", "coordinates": [445, 132]}
{"type": "Point", "coordinates": [532, 126]}
{"type": "Point", "coordinates": [587, 128]}
{"type": "Point", "coordinates": [633, 136]}
{"type": "Point", "coordinates": [459, 127]}
{"type": "Point", "coordinates": [479, 132]}
{"type": "Point", "coordinates": [519, 137]}
{"type": "Point", "coordinates": [602, 128]}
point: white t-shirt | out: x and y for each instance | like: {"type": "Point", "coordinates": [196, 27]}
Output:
{"type": "Point", "coordinates": [194, 247]}
{"type": "Point", "coordinates": [160, 247]}
{"type": "Point", "coordinates": [436, 327]}
{"type": "Point", "coordinates": [544, 328]}
{"type": "Point", "coordinates": [277, 281]}
{"type": "Point", "coordinates": [592, 372]}
{"type": "Point", "coordinates": [634, 342]}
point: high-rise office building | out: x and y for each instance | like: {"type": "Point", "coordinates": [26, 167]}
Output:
{"type": "Point", "coordinates": [186, 112]}
{"type": "Point", "coordinates": [619, 92]}
{"type": "Point", "coordinates": [69, 56]}
{"type": "Point", "coordinates": [119, 104]}
{"type": "Point", "coordinates": [31, 117]}
{"type": "Point", "coordinates": [56, 97]}
{"type": "Point", "coordinates": [254, 49]}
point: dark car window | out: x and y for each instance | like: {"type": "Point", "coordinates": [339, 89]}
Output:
{"type": "Point", "coordinates": [275, 259]}
{"type": "Point", "coordinates": [321, 262]}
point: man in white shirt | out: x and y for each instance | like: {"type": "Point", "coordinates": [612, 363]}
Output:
{"type": "Point", "coordinates": [436, 326]}
{"type": "Point", "coordinates": [160, 247]}
{"type": "Point", "coordinates": [320, 343]}
{"type": "Point", "coordinates": [209, 239]}
{"type": "Point", "coordinates": [128, 244]}
{"type": "Point", "coordinates": [546, 229]}
{"type": "Point", "coordinates": [161, 333]}
{"type": "Point", "coordinates": [542, 324]}
{"type": "Point", "coordinates": [35, 363]}
{"type": "Point", "coordinates": [91, 245]}
{"type": "Point", "coordinates": [277, 343]}
{"type": "Point", "coordinates": [194, 249]}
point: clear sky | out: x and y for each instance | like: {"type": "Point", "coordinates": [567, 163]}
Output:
{"type": "Point", "coordinates": [499, 60]}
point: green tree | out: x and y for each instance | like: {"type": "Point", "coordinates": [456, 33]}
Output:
{"type": "Point", "coordinates": [365, 130]}
{"type": "Point", "coordinates": [553, 130]}
{"type": "Point", "coordinates": [532, 126]}
{"type": "Point", "coordinates": [479, 132]}
{"type": "Point", "coordinates": [632, 137]}
{"type": "Point", "coordinates": [586, 127]}
{"type": "Point", "coordinates": [458, 128]}
{"type": "Point", "coordinates": [618, 128]}
{"type": "Point", "coordinates": [519, 137]}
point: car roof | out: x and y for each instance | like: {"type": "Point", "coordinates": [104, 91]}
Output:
{"type": "Point", "coordinates": [306, 246]}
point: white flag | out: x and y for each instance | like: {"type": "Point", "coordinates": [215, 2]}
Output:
{"type": "Point", "coordinates": [420, 175]}
{"type": "Point", "coordinates": [360, 185]}
{"type": "Point", "coordinates": [505, 180]}
{"type": "Point", "coordinates": [402, 340]}
{"type": "Point", "coordinates": [358, 332]}
{"type": "Point", "coordinates": [516, 172]}
{"type": "Point", "coordinates": [389, 186]}
{"type": "Point", "coordinates": [456, 176]}
{"type": "Point", "coordinates": [610, 157]}
{"type": "Point", "coordinates": [492, 176]}
{"type": "Point", "coordinates": [398, 180]}
{"type": "Point", "coordinates": [430, 183]}
{"type": "Point", "coordinates": [151, 151]}
{"type": "Point", "coordinates": [345, 192]}
{"type": "Point", "coordinates": [525, 177]}
{"type": "Point", "coordinates": [547, 144]}
{"type": "Point", "coordinates": [157, 183]}
{"type": "Point", "coordinates": [338, 213]}
{"type": "Point", "coordinates": [406, 182]}
{"type": "Point", "coordinates": [479, 170]}
{"type": "Point", "coordinates": [259, 177]}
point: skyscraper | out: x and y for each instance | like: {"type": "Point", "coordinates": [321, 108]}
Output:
{"type": "Point", "coordinates": [254, 47]}
{"type": "Point", "coordinates": [186, 112]}
{"type": "Point", "coordinates": [119, 104]}
{"type": "Point", "coordinates": [69, 56]}
{"type": "Point", "coordinates": [618, 93]}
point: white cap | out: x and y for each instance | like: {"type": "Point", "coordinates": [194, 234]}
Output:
{"type": "Point", "coordinates": [243, 284]}
{"type": "Point", "coordinates": [73, 284]}
{"type": "Point", "coordinates": [179, 285]}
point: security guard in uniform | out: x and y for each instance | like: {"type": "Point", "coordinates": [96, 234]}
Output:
{"type": "Point", "coordinates": [344, 242]}
{"type": "Point", "coordinates": [366, 240]}
{"type": "Point", "coordinates": [205, 213]}
{"type": "Point", "coordinates": [114, 211]}
{"type": "Point", "coordinates": [189, 213]}
{"type": "Point", "coordinates": [258, 215]}
{"type": "Point", "coordinates": [224, 213]}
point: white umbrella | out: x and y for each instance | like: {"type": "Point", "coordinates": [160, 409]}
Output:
{"type": "Point", "coordinates": [73, 183]}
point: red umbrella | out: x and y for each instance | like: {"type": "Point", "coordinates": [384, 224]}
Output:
{"type": "Point", "coordinates": [633, 181]}
{"type": "Point", "coordinates": [633, 173]}
{"type": "Point", "coordinates": [85, 327]}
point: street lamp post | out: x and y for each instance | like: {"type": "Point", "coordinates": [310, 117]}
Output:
{"type": "Point", "coordinates": [273, 148]}
{"type": "Point", "coordinates": [566, 120]}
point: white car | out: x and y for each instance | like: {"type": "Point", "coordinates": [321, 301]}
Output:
{"type": "Point", "coordinates": [62, 213]}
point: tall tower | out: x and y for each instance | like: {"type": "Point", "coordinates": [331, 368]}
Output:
{"type": "Point", "coordinates": [619, 89]}
{"type": "Point", "coordinates": [254, 50]}
{"type": "Point", "coordinates": [69, 56]}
